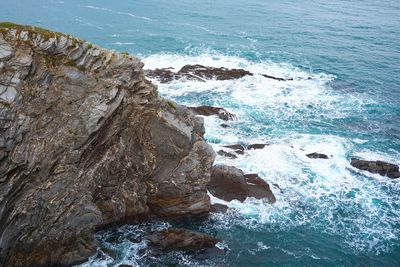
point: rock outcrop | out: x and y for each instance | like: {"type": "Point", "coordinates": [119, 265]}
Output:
{"type": "Point", "coordinates": [316, 155]}
{"type": "Point", "coordinates": [229, 183]}
{"type": "Point", "coordinates": [181, 239]}
{"type": "Point", "coordinates": [202, 73]}
{"type": "Point", "coordinates": [86, 142]}
{"type": "Point", "coordinates": [222, 113]}
{"type": "Point", "coordinates": [383, 168]}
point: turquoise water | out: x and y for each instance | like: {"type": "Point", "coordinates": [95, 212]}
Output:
{"type": "Point", "coordinates": [328, 214]}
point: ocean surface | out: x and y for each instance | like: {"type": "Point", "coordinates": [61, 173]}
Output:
{"type": "Point", "coordinates": [327, 213]}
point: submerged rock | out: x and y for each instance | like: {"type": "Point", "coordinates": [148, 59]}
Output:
{"type": "Point", "coordinates": [383, 168]}
{"type": "Point", "coordinates": [229, 183]}
{"type": "Point", "coordinates": [181, 239]}
{"type": "Point", "coordinates": [86, 142]}
{"type": "Point", "coordinates": [257, 146]}
{"type": "Point", "coordinates": [317, 156]}
{"type": "Point", "coordinates": [202, 73]}
{"type": "Point", "coordinates": [222, 113]}
{"type": "Point", "coordinates": [226, 154]}
{"type": "Point", "coordinates": [239, 149]}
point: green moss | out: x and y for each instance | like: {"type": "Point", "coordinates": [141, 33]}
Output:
{"type": "Point", "coordinates": [47, 34]}
{"type": "Point", "coordinates": [125, 53]}
{"type": "Point", "coordinates": [70, 62]}
{"type": "Point", "coordinates": [171, 104]}
{"type": "Point", "coordinates": [89, 46]}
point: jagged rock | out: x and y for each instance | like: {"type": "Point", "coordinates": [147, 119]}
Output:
{"type": "Point", "coordinates": [226, 154]}
{"type": "Point", "coordinates": [181, 239]}
{"type": "Point", "coordinates": [381, 167]}
{"type": "Point", "coordinates": [239, 149]}
{"type": "Point", "coordinates": [317, 156]}
{"type": "Point", "coordinates": [201, 73]}
{"type": "Point", "coordinates": [229, 183]}
{"type": "Point", "coordinates": [257, 146]}
{"type": "Point", "coordinates": [86, 143]}
{"type": "Point", "coordinates": [218, 208]}
{"type": "Point", "coordinates": [222, 113]}
{"type": "Point", "coordinates": [258, 188]}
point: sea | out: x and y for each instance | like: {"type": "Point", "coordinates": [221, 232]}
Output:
{"type": "Point", "coordinates": [343, 101]}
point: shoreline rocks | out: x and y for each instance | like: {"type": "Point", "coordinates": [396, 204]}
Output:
{"type": "Point", "coordinates": [202, 73]}
{"type": "Point", "coordinates": [229, 183]}
{"type": "Point", "coordinates": [383, 168]}
{"type": "Point", "coordinates": [317, 156]}
{"type": "Point", "coordinates": [181, 239]}
{"type": "Point", "coordinates": [222, 113]}
{"type": "Point", "coordinates": [87, 143]}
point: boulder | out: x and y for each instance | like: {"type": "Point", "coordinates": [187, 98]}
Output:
{"type": "Point", "coordinates": [181, 239]}
{"type": "Point", "coordinates": [381, 167]}
{"type": "Point", "coordinates": [258, 188]}
{"type": "Point", "coordinates": [317, 156]}
{"type": "Point", "coordinates": [229, 183]}
{"type": "Point", "coordinates": [86, 142]}
{"type": "Point", "coordinates": [222, 113]}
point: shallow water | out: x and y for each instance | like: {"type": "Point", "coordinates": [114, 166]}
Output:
{"type": "Point", "coordinates": [328, 213]}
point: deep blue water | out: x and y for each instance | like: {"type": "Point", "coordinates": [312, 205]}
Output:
{"type": "Point", "coordinates": [328, 214]}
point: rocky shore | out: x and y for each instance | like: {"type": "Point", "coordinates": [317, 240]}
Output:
{"type": "Point", "coordinates": [87, 143]}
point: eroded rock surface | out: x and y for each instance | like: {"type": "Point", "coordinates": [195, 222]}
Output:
{"type": "Point", "coordinates": [222, 113]}
{"type": "Point", "coordinates": [181, 239]}
{"type": "Point", "coordinates": [86, 142]}
{"type": "Point", "coordinates": [229, 183]}
{"type": "Point", "coordinates": [381, 167]}
{"type": "Point", "coordinates": [202, 73]}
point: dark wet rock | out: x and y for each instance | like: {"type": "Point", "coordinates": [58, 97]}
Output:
{"type": "Point", "coordinates": [87, 143]}
{"type": "Point", "coordinates": [278, 187]}
{"type": "Point", "coordinates": [222, 113]}
{"type": "Point", "coordinates": [239, 149]}
{"type": "Point", "coordinates": [257, 146]}
{"type": "Point", "coordinates": [202, 73]}
{"type": "Point", "coordinates": [224, 125]}
{"type": "Point", "coordinates": [181, 239]}
{"type": "Point", "coordinates": [258, 188]}
{"type": "Point", "coordinates": [230, 183]}
{"type": "Point", "coordinates": [226, 154]}
{"type": "Point", "coordinates": [317, 156]}
{"type": "Point", "coordinates": [381, 167]}
{"type": "Point", "coordinates": [218, 208]}
{"type": "Point", "coordinates": [276, 78]}
{"type": "Point", "coordinates": [125, 265]}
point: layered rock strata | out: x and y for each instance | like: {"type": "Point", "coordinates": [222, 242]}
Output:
{"type": "Point", "coordinates": [86, 142]}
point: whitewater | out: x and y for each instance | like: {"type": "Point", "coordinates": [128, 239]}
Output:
{"type": "Point", "coordinates": [342, 100]}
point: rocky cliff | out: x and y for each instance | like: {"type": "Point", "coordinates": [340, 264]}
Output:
{"type": "Point", "coordinates": [86, 142]}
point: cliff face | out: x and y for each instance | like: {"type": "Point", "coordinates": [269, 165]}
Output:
{"type": "Point", "coordinates": [85, 142]}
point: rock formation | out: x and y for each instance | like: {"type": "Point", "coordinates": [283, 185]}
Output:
{"type": "Point", "coordinates": [317, 156]}
{"type": "Point", "coordinates": [181, 239]}
{"type": "Point", "coordinates": [229, 183]}
{"type": "Point", "coordinates": [86, 142]}
{"type": "Point", "coordinates": [222, 113]}
{"type": "Point", "coordinates": [381, 167]}
{"type": "Point", "coordinates": [202, 73]}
